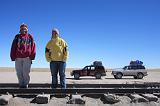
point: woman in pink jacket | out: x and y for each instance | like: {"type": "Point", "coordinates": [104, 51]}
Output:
{"type": "Point", "coordinates": [23, 51]}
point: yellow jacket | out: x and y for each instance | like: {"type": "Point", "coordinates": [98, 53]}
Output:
{"type": "Point", "coordinates": [56, 50]}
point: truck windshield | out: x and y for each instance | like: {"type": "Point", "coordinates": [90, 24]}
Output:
{"type": "Point", "coordinates": [85, 68]}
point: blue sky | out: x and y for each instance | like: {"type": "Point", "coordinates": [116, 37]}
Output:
{"type": "Point", "coordinates": [112, 31]}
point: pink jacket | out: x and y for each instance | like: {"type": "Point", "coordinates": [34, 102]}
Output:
{"type": "Point", "coordinates": [23, 46]}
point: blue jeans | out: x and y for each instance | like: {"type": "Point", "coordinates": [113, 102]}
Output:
{"type": "Point", "coordinates": [55, 67]}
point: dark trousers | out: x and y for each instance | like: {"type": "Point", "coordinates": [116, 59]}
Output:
{"type": "Point", "coordinates": [55, 67]}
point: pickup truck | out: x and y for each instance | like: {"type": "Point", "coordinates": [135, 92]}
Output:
{"type": "Point", "coordinates": [90, 70]}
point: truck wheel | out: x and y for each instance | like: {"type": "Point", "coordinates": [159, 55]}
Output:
{"type": "Point", "coordinates": [118, 75]}
{"type": "Point", "coordinates": [135, 77]}
{"type": "Point", "coordinates": [115, 77]}
{"type": "Point", "coordinates": [140, 75]}
{"type": "Point", "coordinates": [98, 76]}
{"type": "Point", "coordinates": [76, 76]}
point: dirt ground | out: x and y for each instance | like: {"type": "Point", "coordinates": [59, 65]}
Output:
{"type": "Point", "coordinates": [8, 75]}
{"type": "Point", "coordinates": [124, 101]}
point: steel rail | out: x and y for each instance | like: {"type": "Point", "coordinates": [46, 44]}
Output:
{"type": "Point", "coordinates": [46, 85]}
{"type": "Point", "coordinates": [79, 90]}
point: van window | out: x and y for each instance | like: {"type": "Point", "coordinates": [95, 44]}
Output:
{"type": "Point", "coordinates": [129, 67]}
{"type": "Point", "coordinates": [134, 67]}
{"type": "Point", "coordinates": [141, 67]}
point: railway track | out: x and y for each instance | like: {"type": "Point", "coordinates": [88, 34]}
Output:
{"type": "Point", "coordinates": [79, 91]}
{"type": "Point", "coordinates": [46, 85]}
{"type": "Point", "coordinates": [149, 88]}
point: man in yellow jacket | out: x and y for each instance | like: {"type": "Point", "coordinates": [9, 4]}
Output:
{"type": "Point", "coordinates": [57, 53]}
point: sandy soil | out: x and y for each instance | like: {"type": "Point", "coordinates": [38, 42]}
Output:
{"type": "Point", "coordinates": [124, 101]}
{"type": "Point", "coordinates": [8, 75]}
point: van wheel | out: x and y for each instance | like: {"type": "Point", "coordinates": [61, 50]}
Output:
{"type": "Point", "coordinates": [119, 75]}
{"type": "Point", "coordinates": [98, 76]}
{"type": "Point", "coordinates": [76, 76]}
{"type": "Point", "coordinates": [140, 75]}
